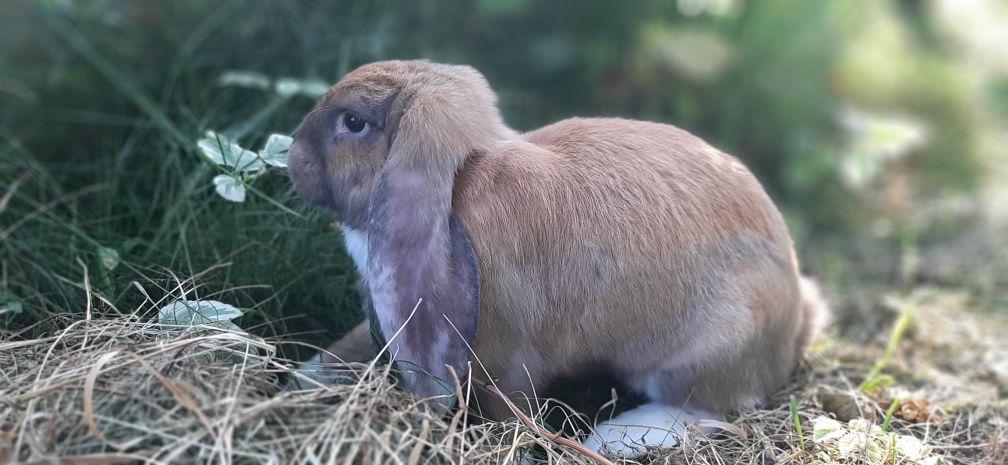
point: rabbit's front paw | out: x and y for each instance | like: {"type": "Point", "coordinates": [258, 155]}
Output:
{"type": "Point", "coordinates": [314, 372]}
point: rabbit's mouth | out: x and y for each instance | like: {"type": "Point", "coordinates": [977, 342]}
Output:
{"type": "Point", "coordinates": [314, 181]}
{"type": "Point", "coordinates": [306, 172]}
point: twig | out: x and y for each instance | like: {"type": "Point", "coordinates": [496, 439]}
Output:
{"type": "Point", "coordinates": [89, 384]}
{"type": "Point", "coordinates": [457, 418]}
{"type": "Point", "coordinates": [87, 296]}
{"type": "Point", "coordinates": [556, 438]}
{"type": "Point", "coordinates": [461, 401]}
{"type": "Point", "coordinates": [91, 459]}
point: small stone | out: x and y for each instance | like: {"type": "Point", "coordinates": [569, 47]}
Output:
{"type": "Point", "coordinates": [844, 406]}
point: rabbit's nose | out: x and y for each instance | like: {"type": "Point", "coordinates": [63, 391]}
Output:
{"type": "Point", "coordinates": [296, 149]}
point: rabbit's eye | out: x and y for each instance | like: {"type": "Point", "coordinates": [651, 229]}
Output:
{"type": "Point", "coordinates": [353, 123]}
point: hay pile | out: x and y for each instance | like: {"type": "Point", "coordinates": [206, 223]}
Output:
{"type": "Point", "coordinates": [122, 390]}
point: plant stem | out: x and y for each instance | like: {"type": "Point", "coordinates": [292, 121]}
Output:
{"type": "Point", "coordinates": [797, 423]}
{"type": "Point", "coordinates": [895, 336]}
{"type": "Point", "coordinates": [889, 413]}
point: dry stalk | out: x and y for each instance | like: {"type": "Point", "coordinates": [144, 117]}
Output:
{"type": "Point", "coordinates": [556, 438]}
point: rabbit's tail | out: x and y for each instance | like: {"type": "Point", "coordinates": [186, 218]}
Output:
{"type": "Point", "coordinates": [815, 313]}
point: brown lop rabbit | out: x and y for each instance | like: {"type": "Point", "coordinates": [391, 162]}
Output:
{"type": "Point", "coordinates": [591, 242]}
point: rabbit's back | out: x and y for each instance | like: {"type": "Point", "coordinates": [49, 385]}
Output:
{"type": "Point", "coordinates": [659, 169]}
{"type": "Point", "coordinates": [607, 240]}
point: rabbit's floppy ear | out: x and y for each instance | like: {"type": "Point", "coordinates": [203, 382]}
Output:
{"type": "Point", "coordinates": [421, 272]}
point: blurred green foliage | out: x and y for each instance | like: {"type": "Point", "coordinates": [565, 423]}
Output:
{"type": "Point", "coordinates": [762, 80]}
{"type": "Point", "coordinates": [115, 92]}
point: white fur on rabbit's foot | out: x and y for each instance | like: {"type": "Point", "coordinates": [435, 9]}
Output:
{"type": "Point", "coordinates": [320, 372]}
{"type": "Point", "coordinates": [650, 425]}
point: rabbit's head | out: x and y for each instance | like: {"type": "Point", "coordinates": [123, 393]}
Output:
{"type": "Point", "coordinates": [382, 149]}
{"type": "Point", "coordinates": [391, 118]}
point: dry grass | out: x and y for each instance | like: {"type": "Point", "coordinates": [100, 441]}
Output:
{"type": "Point", "coordinates": [123, 390]}
{"type": "Point", "coordinates": [119, 390]}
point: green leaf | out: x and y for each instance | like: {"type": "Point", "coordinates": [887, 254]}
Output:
{"type": "Point", "coordinates": [244, 160]}
{"type": "Point", "coordinates": [249, 79]}
{"type": "Point", "coordinates": [220, 151]}
{"type": "Point", "coordinates": [314, 88]}
{"type": "Point", "coordinates": [876, 382]}
{"type": "Point", "coordinates": [10, 303]}
{"type": "Point", "coordinates": [229, 187]}
{"type": "Point", "coordinates": [197, 312]}
{"type": "Point", "coordinates": [289, 87]}
{"type": "Point", "coordinates": [823, 458]}
{"type": "Point", "coordinates": [912, 448]}
{"type": "Point", "coordinates": [825, 429]}
{"type": "Point", "coordinates": [860, 444]}
{"type": "Point", "coordinates": [874, 452]}
{"type": "Point", "coordinates": [109, 258]}
{"type": "Point", "coordinates": [274, 153]}
{"type": "Point", "coordinates": [865, 426]}
{"type": "Point", "coordinates": [214, 146]}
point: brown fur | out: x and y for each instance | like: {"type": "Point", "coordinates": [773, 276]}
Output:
{"type": "Point", "coordinates": [600, 242]}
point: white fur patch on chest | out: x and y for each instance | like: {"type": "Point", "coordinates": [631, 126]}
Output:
{"type": "Point", "coordinates": [356, 244]}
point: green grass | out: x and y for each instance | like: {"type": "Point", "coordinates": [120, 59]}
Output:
{"type": "Point", "coordinates": [119, 169]}
{"type": "Point", "coordinates": [889, 413]}
{"type": "Point", "coordinates": [796, 420]}
{"type": "Point", "coordinates": [875, 378]}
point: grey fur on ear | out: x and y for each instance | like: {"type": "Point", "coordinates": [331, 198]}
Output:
{"type": "Point", "coordinates": [419, 256]}
{"type": "Point", "coordinates": [423, 281]}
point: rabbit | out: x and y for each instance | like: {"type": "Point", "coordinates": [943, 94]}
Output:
{"type": "Point", "coordinates": [630, 246]}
